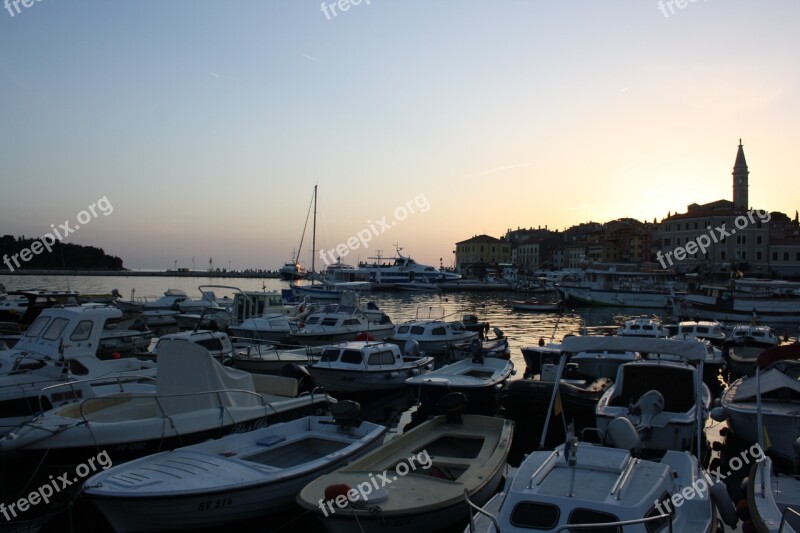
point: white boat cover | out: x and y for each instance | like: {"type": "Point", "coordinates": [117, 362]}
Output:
{"type": "Point", "coordinates": [187, 369]}
{"type": "Point", "coordinates": [771, 381]}
{"type": "Point", "coordinates": [690, 350]}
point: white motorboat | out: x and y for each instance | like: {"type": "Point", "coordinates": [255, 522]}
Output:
{"type": "Point", "coordinates": [709, 330]}
{"type": "Point", "coordinates": [170, 301]}
{"type": "Point", "coordinates": [366, 366]}
{"type": "Point", "coordinates": [234, 478]}
{"type": "Point", "coordinates": [581, 483]}
{"type": "Point", "coordinates": [60, 348]}
{"type": "Point", "coordinates": [666, 400]}
{"type": "Point", "coordinates": [642, 327]}
{"type": "Point", "coordinates": [196, 398]}
{"type": "Point", "coordinates": [403, 269]}
{"type": "Point", "coordinates": [773, 499]}
{"type": "Point", "coordinates": [429, 468]}
{"type": "Point", "coordinates": [338, 322]}
{"type": "Point", "coordinates": [217, 343]}
{"type": "Point", "coordinates": [777, 391]}
{"type": "Point", "coordinates": [536, 305]}
{"type": "Point", "coordinates": [480, 380]}
{"type": "Point", "coordinates": [596, 363]}
{"type": "Point", "coordinates": [433, 336]}
{"type": "Point", "coordinates": [275, 328]}
{"type": "Point", "coordinates": [270, 359]}
{"type": "Point", "coordinates": [13, 309]}
{"type": "Point", "coordinates": [752, 335]}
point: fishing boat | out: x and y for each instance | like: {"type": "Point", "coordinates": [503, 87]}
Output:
{"type": "Point", "coordinates": [619, 285]}
{"type": "Point", "coordinates": [642, 327]}
{"type": "Point", "coordinates": [434, 337]}
{"type": "Point", "coordinates": [196, 398]}
{"type": "Point", "coordinates": [423, 475]}
{"type": "Point", "coordinates": [496, 347]}
{"type": "Point", "coordinates": [666, 400]}
{"type": "Point", "coordinates": [338, 322]}
{"type": "Point", "coordinates": [773, 396]}
{"type": "Point", "coordinates": [538, 306]}
{"type": "Point", "coordinates": [234, 478]}
{"type": "Point", "coordinates": [709, 330]}
{"type": "Point", "coordinates": [753, 335]}
{"type": "Point", "coordinates": [264, 358]}
{"type": "Point", "coordinates": [60, 347]}
{"type": "Point", "coordinates": [14, 309]}
{"type": "Point", "coordinates": [768, 301]}
{"type": "Point", "coordinates": [360, 366]}
{"type": "Point", "coordinates": [479, 379]}
{"type": "Point", "coordinates": [537, 355]}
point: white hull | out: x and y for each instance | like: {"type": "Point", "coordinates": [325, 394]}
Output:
{"type": "Point", "coordinates": [615, 298]}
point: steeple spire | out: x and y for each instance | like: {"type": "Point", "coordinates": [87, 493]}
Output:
{"type": "Point", "coordinates": [740, 179]}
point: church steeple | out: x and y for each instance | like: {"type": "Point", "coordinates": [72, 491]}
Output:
{"type": "Point", "coordinates": [740, 178]}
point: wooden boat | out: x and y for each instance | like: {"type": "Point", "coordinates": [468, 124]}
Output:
{"type": "Point", "coordinates": [366, 366]}
{"type": "Point", "coordinates": [479, 380]}
{"type": "Point", "coordinates": [418, 480]}
{"type": "Point", "coordinates": [233, 478]}
{"type": "Point", "coordinates": [534, 305]}
{"type": "Point", "coordinates": [196, 398]}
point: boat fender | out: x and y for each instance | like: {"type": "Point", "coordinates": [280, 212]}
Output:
{"type": "Point", "coordinates": [724, 504]}
{"type": "Point", "coordinates": [719, 414]}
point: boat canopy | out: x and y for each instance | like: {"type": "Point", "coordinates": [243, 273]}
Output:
{"type": "Point", "coordinates": [690, 350]}
{"type": "Point", "coordinates": [778, 353]}
{"type": "Point", "coordinates": [774, 385]}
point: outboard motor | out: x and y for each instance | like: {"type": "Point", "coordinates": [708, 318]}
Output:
{"type": "Point", "coordinates": [346, 414]}
{"type": "Point", "coordinates": [305, 383]}
{"type": "Point", "coordinates": [411, 348]}
{"type": "Point", "coordinates": [476, 349]}
{"type": "Point", "coordinates": [452, 405]}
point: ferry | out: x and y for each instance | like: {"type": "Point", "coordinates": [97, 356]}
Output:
{"type": "Point", "coordinates": [402, 270]}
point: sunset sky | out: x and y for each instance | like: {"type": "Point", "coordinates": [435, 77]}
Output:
{"type": "Point", "coordinates": [206, 124]}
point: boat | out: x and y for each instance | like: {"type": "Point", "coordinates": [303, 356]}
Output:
{"type": "Point", "coordinates": [479, 379]}
{"type": "Point", "coordinates": [263, 358]}
{"type": "Point", "coordinates": [767, 301]}
{"type": "Point", "coordinates": [642, 327]}
{"type": "Point", "coordinates": [234, 478]}
{"type": "Point", "coordinates": [595, 363]}
{"type": "Point", "coordinates": [416, 481]}
{"type": "Point", "coordinates": [667, 400]}
{"type": "Point", "coordinates": [196, 398]}
{"type": "Point", "coordinates": [709, 330]}
{"type": "Point", "coordinates": [273, 328]}
{"type": "Point", "coordinates": [777, 391]}
{"type": "Point", "coordinates": [24, 313]}
{"type": "Point", "coordinates": [60, 348]}
{"type": "Point", "coordinates": [422, 285]}
{"type": "Point", "coordinates": [116, 342]}
{"type": "Point", "coordinates": [434, 337]}
{"type": "Point", "coordinates": [754, 335]}
{"type": "Point", "coordinates": [218, 343]}
{"type": "Point", "coordinates": [537, 355]}
{"type": "Point", "coordinates": [773, 499]}
{"type": "Point", "coordinates": [338, 322]}
{"type": "Point", "coordinates": [528, 397]}
{"type": "Point", "coordinates": [170, 301]}
{"type": "Point", "coordinates": [496, 348]}
{"type": "Point", "coordinates": [402, 269]}
{"type": "Point", "coordinates": [581, 483]}
{"type": "Point", "coordinates": [292, 270]}
{"type": "Point", "coordinates": [619, 285]}
{"type": "Point", "coordinates": [535, 305]}
{"type": "Point", "coordinates": [360, 366]}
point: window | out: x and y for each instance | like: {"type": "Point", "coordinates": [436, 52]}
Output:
{"type": "Point", "coordinates": [381, 358]}
{"type": "Point", "coordinates": [785, 256]}
{"type": "Point", "coordinates": [329, 356]}
{"type": "Point", "coordinates": [535, 515]}
{"type": "Point", "coordinates": [55, 329]}
{"type": "Point", "coordinates": [417, 330]}
{"type": "Point", "coordinates": [212, 344]}
{"type": "Point", "coordinates": [328, 322]}
{"type": "Point", "coordinates": [82, 331]}
{"type": "Point", "coordinates": [351, 322]}
{"type": "Point", "coordinates": [439, 331]}
{"type": "Point", "coordinates": [402, 329]}
{"type": "Point", "coordinates": [758, 239]}
{"type": "Point", "coordinates": [37, 327]}
{"type": "Point", "coordinates": [758, 256]}
{"type": "Point", "coordinates": [774, 256]}
{"type": "Point", "coordinates": [589, 516]}
{"type": "Point", "coordinates": [352, 357]}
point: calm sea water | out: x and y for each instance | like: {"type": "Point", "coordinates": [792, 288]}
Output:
{"type": "Point", "coordinates": [522, 328]}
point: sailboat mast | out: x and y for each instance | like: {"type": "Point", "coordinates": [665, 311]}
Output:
{"type": "Point", "coordinates": [314, 233]}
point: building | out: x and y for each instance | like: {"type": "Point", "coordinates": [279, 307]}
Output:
{"type": "Point", "coordinates": [474, 255]}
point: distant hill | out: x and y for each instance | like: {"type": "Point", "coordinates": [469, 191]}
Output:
{"type": "Point", "coordinates": [64, 256]}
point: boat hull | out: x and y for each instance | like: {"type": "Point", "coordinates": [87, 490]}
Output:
{"type": "Point", "coordinates": [614, 298]}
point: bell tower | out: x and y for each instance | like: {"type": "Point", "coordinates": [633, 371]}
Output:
{"type": "Point", "coordinates": [740, 178]}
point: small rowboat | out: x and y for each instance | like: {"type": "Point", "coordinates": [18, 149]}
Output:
{"type": "Point", "coordinates": [532, 305]}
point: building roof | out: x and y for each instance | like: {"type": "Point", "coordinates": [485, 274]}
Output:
{"type": "Point", "coordinates": [483, 239]}
{"type": "Point", "coordinates": [740, 163]}
{"type": "Point", "coordinates": [720, 208]}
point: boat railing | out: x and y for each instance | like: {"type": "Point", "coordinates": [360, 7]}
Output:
{"type": "Point", "coordinates": [600, 525]}
{"type": "Point", "coordinates": [479, 510]}
{"type": "Point", "coordinates": [86, 406]}
{"type": "Point", "coordinates": [74, 386]}
{"type": "Point", "coordinates": [788, 510]}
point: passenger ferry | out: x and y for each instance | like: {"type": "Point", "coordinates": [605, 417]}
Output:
{"type": "Point", "coordinates": [402, 270]}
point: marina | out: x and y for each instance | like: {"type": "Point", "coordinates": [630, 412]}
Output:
{"type": "Point", "coordinates": [664, 419]}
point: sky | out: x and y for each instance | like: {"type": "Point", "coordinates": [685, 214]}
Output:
{"type": "Point", "coordinates": [206, 125]}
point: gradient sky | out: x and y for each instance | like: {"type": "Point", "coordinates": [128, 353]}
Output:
{"type": "Point", "coordinates": [207, 124]}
